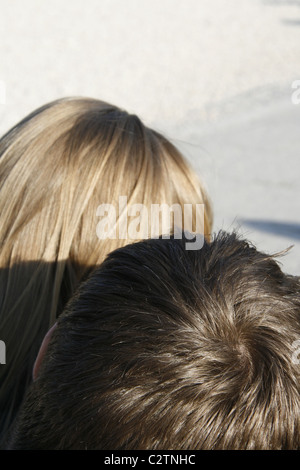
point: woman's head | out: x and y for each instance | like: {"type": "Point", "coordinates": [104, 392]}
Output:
{"type": "Point", "coordinates": [56, 167]}
{"type": "Point", "coordinates": [66, 158]}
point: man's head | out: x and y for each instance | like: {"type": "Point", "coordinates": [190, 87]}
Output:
{"type": "Point", "coordinates": [165, 348]}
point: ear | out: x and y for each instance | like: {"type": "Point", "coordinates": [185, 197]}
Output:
{"type": "Point", "coordinates": [42, 352]}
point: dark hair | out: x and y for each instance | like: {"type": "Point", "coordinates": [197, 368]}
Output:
{"type": "Point", "coordinates": [166, 348]}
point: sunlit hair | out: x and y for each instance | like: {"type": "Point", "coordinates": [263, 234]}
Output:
{"type": "Point", "coordinates": [56, 167]}
{"type": "Point", "coordinates": [165, 348]}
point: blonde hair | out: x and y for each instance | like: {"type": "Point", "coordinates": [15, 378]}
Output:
{"type": "Point", "coordinates": [56, 167]}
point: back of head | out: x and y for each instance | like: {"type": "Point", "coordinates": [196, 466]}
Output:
{"type": "Point", "coordinates": [57, 167]}
{"type": "Point", "coordinates": [168, 348]}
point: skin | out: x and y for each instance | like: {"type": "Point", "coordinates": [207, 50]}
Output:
{"type": "Point", "coordinates": [42, 352]}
